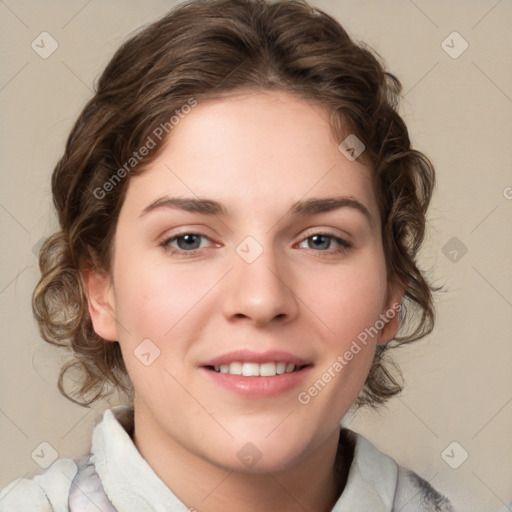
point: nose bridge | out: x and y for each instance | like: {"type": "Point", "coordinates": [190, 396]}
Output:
{"type": "Point", "coordinates": [258, 287]}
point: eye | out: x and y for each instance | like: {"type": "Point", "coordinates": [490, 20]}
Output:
{"type": "Point", "coordinates": [323, 241]}
{"type": "Point", "coordinates": [189, 243]}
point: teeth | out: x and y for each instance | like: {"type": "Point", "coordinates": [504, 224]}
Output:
{"type": "Point", "coordinates": [235, 368]}
{"type": "Point", "coordinates": [250, 369]}
{"type": "Point", "coordinates": [280, 368]}
{"type": "Point", "coordinates": [269, 369]}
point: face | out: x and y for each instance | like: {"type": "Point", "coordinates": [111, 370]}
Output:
{"type": "Point", "coordinates": [270, 262]}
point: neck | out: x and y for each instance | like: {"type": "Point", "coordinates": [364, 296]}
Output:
{"type": "Point", "coordinates": [314, 484]}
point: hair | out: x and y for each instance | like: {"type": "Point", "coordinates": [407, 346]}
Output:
{"type": "Point", "coordinates": [209, 49]}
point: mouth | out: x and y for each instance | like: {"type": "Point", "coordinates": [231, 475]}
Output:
{"type": "Point", "coordinates": [253, 369]}
{"type": "Point", "coordinates": [258, 374]}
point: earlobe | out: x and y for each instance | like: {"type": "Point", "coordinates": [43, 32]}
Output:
{"type": "Point", "coordinates": [390, 316]}
{"type": "Point", "coordinates": [100, 298]}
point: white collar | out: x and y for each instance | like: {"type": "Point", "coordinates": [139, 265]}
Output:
{"type": "Point", "coordinates": [131, 484]}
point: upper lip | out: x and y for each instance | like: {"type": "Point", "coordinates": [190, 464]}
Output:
{"type": "Point", "coordinates": [250, 356]}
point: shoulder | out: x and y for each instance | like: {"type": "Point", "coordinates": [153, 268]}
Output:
{"type": "Point", "coordinates": [415, 494]}
{"type": "Point", "coordinates": [394, 488]}
{"type": "Point", "coordinates": [49, 491]}
{"type": "Point", "coordinates": [46, 492]}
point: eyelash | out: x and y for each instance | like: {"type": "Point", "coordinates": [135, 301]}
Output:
{"type": "Point", "coordinates": [344, 245]}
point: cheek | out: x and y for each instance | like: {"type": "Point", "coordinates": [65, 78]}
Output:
{"type": "Point", "coordinates": [350, 299]}
{"type": "Point", "coordinates": [350, 304]}
{"type": "Point", "coordinates": [151, 305]}
{"type": "Point", "coordinates": [151, 299]}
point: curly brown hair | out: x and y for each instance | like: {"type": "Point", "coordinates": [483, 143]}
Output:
{"type": "Point", "coordinates": [206, 49]}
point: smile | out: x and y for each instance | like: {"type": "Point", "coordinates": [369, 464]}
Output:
{"type": "Point", "coordinates": [250, 369]}
{"type": "Point", "coordinates": [278, 372]}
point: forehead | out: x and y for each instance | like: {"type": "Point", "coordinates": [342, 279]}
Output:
{"type": "Point", "coordinates": [253, 151]}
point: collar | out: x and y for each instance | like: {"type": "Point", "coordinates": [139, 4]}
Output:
{"type": "Point", "coordinates": [131, 484]}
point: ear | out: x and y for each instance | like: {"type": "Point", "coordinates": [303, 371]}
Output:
{"type": "Point", "coordinates": [100, 296]}
{"type": "Point", "coordinates": [391, 312]}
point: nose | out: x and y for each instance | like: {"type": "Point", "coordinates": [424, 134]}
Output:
{"type": "Point", "coordinates": [260, 291]}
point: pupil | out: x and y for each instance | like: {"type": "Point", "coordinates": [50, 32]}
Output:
{"type": "Point", "coordinates": [316, 237]}
{"type": "Point", "coordinates": [189, 240]}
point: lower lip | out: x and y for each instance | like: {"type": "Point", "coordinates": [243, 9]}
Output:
{"type": "Point", "coordinates": [259, 387]}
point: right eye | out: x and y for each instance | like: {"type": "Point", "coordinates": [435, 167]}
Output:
{"type": "Point", "coordinates": [186, 243]}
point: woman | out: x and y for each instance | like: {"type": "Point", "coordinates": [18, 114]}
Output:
{"type": "Point", "coordinates": [240, 213]}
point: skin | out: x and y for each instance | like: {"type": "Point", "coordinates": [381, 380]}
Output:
{"type": "Point", "coordinates": [257, 153]}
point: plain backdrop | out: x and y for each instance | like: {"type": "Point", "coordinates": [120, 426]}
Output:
{"type": "Point", "coordinates": [457, 102]}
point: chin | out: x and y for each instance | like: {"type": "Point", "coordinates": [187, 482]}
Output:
{"type": "Point", "coordinates": [251, 460]}
{"type": "Point", "coordinates": [261, 452]}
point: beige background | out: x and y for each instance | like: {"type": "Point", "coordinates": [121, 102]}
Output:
{"type": "Point", "coordinates": [459, 112]}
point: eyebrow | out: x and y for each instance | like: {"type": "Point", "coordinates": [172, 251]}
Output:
{"type": "Point", "coordinates": [300, 208]}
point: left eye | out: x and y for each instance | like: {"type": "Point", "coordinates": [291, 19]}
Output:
{"type": "Point", "coordinates": [186, 242]}
{"type": "Point", "coordinates": [323, 241]}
